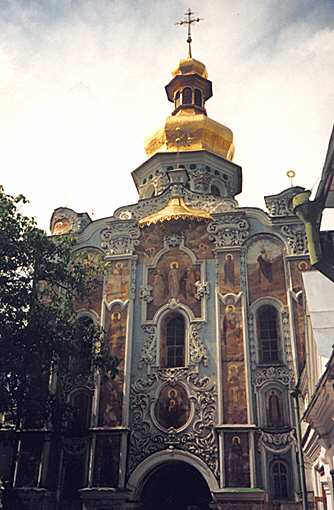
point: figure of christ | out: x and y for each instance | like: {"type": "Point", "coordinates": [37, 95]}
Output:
{"type": "Point", "coordinates": [159, 288]}
{"type": "Point", "coordinates": [174, 280]}
{"type": "Point", "coordinates": [265, 266]}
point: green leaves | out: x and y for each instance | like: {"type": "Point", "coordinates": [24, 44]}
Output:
{"type": "Point", "coordinates": [42, 281]}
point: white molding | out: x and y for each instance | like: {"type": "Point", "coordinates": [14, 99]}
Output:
{"type": "Point", "coordinates": [137, 479]}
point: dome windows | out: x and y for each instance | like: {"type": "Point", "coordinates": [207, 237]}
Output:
{"type": "Point", "coordinates": [198, 98]}
{"type": "Point", "coordinates": [189, 96]}
{"type": "Point", "coordinates": [177, 99]}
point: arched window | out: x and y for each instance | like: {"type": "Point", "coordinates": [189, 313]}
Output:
{"type": "Point", "coordinates": [79, 361]}
{"type": "Point", "coordinates": [279, 478]}
{"type": "Point", "coordinates": [274, 409]}
{"type": "Point", "coordinates": [173, 341]}
{"type": "Point", "coordinates": [215, 191]}
{"type": "Point", "coordinates": [187, 96]}
{"type": "Point", "coordinates": [80, 408]}
{"type": "Point", "coordinates": [268, 334]}
{"type": "Point", "coordinates": [198, 97]}
{"type": "Point", "coordinates": [177, 99]}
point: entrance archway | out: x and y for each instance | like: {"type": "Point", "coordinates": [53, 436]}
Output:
{"type": "Point", "coordinates": [175, 485]}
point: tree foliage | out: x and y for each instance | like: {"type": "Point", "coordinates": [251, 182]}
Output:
{"type": "Point", "coordinates": [41, 280]}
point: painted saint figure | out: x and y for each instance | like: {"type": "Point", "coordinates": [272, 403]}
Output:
{"type": "Point", "coordinates": [174, 280]}
{"type": "Point", "coordinates": [265, 266]}
{"type": "Point", "coordinates": [190, 279]}
{"type": "Point", "coordinates": [235, 463]}
{"type": "Point", "coordinates": [159, 288]}
{"type": "Point", "coordinates": [229, 275]}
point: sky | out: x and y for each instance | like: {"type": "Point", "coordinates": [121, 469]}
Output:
{"type": "Point", "coordinates": [82, 86]}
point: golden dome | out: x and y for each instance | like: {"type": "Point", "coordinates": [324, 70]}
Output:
{"type": "Point", "coordinates": [176, 209]}
{"type": "Point", "coordinates": [190, 66]}
{"type": "Point", "coordinates": [191, 132]}
{"type": "Point", "coordinates": [189, 128]}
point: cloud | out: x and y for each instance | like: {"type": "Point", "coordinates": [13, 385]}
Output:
{"type": "Point", "coordinates": [82, 85]}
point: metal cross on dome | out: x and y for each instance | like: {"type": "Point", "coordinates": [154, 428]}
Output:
{"type": "Point", "coordinates": [189, 21]}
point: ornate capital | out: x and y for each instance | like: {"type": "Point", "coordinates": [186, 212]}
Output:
{"type": "Point", "coordinates": [265, 375]}
{"type": "Point", "coordinates": [202, 289]}
{"type": "Point", "coordinates": [296, 239]}
{"type": "Point", "coordinates": [174, 240]}
{"type": "Point", "coordinates": [120, 238]}
{"type": "Point", "coordinates": [228, 230]}
{"type": "Point", "coordinates": [146, 294]}
{"type": "Point", "coordinates": [201, 179]}
{"type": "Point", "coordinates": [276, 442]}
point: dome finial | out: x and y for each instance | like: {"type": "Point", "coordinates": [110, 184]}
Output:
{"type": "Point", "coordinates": [188, 21]}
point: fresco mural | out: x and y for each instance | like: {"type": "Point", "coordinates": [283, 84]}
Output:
{"type": "Point", "coordinates": [91, 259]}
{"type": "Point", "coordinates": [265, 269]}
{"type": "Point", "coordinates": [299, 325]}
{"type": "Point", "coordinates": [172, 408]}
{"type": "Point", "coordinates": [174, 277]}
{"type": "Point", "coordinates": [233, 367]}
{"type": "Point", "coordinates": [236, 449]}
{"type": "Point", "coordinates": [196, 238]}
{"type": "Point", "coordinates": [150, 244]}
{"type": "Point", "coordinates": [106, 465]}
{"type": "Point", "coordinates": [297, 268]}
{"type": "Point", "coordinates": [117, 281]}
{"type": "Point", "coordinates": [229, 272]}
{"type": "Point", "coordinates": [111, 397]}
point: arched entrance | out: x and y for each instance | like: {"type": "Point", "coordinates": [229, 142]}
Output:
{"type": "Point", "coordinates": [175, 485]}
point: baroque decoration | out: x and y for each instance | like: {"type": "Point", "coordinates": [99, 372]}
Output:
{"type": "Point", "coordinates": [228, 230]}
{"type": "Point", "coordinates": [296, 239]}
{"type": "Point", "coordinates": [280, 205]}
{"type": "Point", "coordinates": [265, 375]}
{"type": "Point", "coordinates": [279, 442]}
{"type": "Point", "coordinates": [120, 238]}
{"type": "Point", "coordinates": [149, 351]}
{"type": "Point", "coordinates": [197, 438]}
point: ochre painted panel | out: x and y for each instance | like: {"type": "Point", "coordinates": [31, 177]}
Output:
{"type": "Point", "coordinates": [174, 277]}
{"type": "Point", "coordinates": [236, 455]}
{"type": "Point", "coordinates": [265, 268]}
{"type": "Point", "coordinates": [111, 397]}
{"type": "Point", "coordinates": [233, 365]}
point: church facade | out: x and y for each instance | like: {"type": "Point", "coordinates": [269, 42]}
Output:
{"type": "Point", "coordinates": [202, 306]}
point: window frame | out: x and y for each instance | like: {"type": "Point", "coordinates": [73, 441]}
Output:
{"type": "Point", "coordinates": [270, 359]}
{"type": "Point", "coordinates": [274, 495]}
{"type": "Point", "coordinates": [163, 347]}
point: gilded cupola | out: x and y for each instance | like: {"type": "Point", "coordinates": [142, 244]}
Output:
{"type": "Point", "coordinates": [189, 128]}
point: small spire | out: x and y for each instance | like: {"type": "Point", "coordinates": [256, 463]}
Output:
{"type": "Point", "coordinates": [189, 21]}
{"type": "Point", "coordinates": [291, 174]}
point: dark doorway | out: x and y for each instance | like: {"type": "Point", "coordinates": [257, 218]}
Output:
{"type": "Point", "coordinates": [176, 486]}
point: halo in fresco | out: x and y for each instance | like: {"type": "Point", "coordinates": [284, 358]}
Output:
{"type": "Point", "coordinates": [172, 409]}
